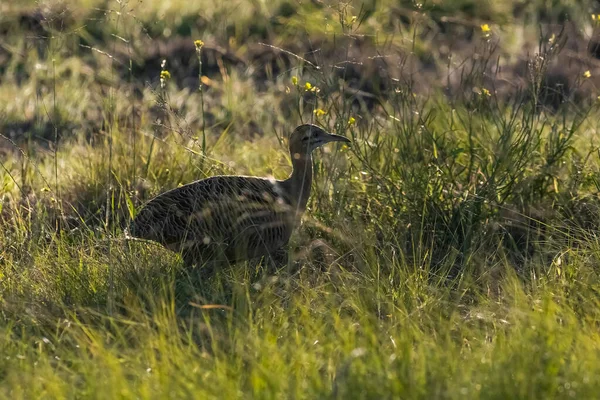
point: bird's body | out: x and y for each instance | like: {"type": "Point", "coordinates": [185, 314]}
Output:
{"type": "Point", "coordinates": [233, 218]}
{"type": "Point", "coordinates": [220, 218]}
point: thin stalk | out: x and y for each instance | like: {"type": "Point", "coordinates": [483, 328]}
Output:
{"type": "Point", "coordinates": [199, 44]}
{"type": "Point", "coordinates": [55, 117]}
{"type": "Point", "coordinates": [109, 190]}
{"type": "Point", "coordinates": [133, 132]}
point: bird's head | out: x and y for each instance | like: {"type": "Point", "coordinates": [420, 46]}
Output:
{"type": "Point", "coordinates": [307, 137]}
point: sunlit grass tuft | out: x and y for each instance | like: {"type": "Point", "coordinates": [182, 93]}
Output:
{"type": "Point", "coordinates": [450, 251]}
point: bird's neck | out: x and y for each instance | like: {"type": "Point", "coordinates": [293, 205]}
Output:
{"type": "Point", "coordinates": [300, 181]}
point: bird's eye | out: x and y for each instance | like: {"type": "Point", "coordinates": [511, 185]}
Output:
{"type": "Point", "coordinates": [305, 139]}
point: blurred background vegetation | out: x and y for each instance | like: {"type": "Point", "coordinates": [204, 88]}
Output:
{"type": "Point", "coordinates": [451, 251]}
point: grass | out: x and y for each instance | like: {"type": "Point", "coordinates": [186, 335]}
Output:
{"type": "Point", "coordinates": [450, 252]}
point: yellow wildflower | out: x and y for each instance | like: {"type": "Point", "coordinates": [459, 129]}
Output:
{"type": "Point", "coordinates": [594, 17]}
{"type": "Point", "coordinates": [485, 92]}
{"type": "Point", "coordinates": [351, 121]}
{"type": "Point", "coordinates": [587, 74]}
{"type": "Point", "coordinates": [310, 88]}
{"type": "Point", "coordinates": [166, 75]}
{"type": "Point", "coordinates": [294, 80]}
{"type": "Point", "coordinates": [319, 112]}
{"type": "Point", "coordinates": [485, 28]}
{"type": "Point", "coordinates": [199, 44]}
{"type": "Point", "coordinates": [552, 39]}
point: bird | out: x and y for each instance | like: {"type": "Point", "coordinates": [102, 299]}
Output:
{"type": "Point", "coordinates": [230, 218]}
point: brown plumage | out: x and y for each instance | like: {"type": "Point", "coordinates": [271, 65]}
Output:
{"type": "Point", "coordinates": [234, 218]}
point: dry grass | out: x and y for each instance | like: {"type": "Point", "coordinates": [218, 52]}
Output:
{"type": "Point", "coordinates": [450, 252]}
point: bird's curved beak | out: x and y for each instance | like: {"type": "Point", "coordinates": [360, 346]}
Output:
{"type": "Point", "coordinates": [337, 138]}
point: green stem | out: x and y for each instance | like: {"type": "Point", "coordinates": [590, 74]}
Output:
{"type": "Point", "coordinates": [199, 52]}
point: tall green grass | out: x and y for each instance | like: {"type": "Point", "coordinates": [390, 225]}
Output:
{"type": "Point", "coordinates": [449, 252]}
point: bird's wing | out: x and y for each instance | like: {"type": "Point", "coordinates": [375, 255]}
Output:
{"type": "Point", "coordinates": [238, 212]}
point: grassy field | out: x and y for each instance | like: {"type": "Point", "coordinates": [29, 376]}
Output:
{"type": "Point", "coordinates": [451, 251]}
